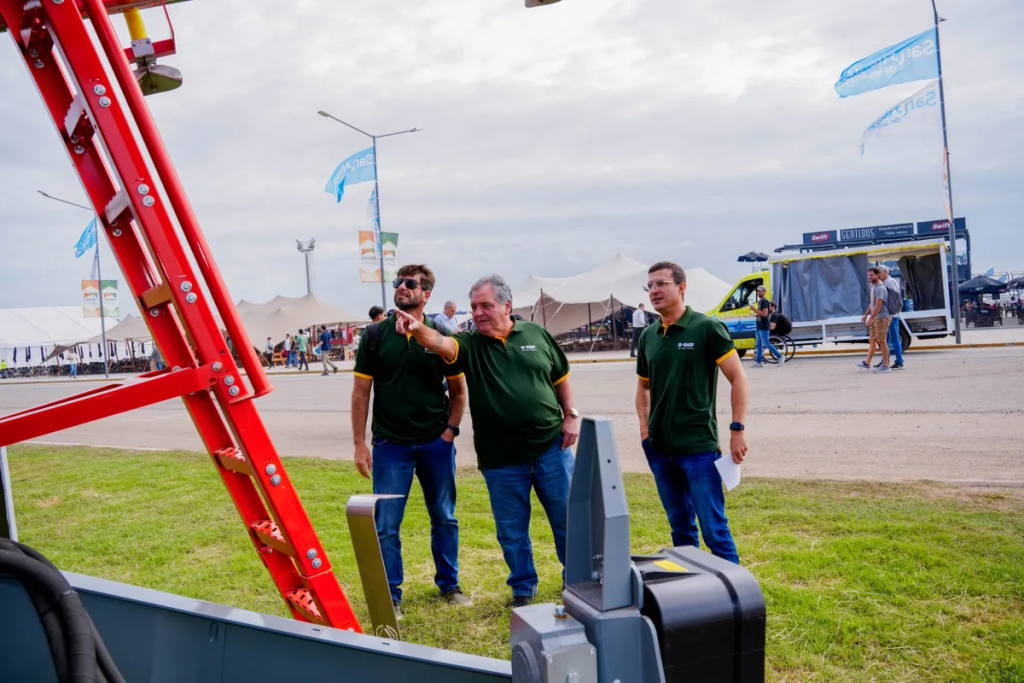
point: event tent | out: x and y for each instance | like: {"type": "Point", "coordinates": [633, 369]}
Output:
{"type": "Point", "coordinates": [284, 314]}
{"type": "Point", "coordinates": [571, 302]}
{"type": "Point", "coordinates": [40, 330]}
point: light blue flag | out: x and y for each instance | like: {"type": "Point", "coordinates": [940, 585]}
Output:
{"type": "Point", "coordinates": [372, 212]}
{"type": "Point", "coordinates": [990, 272]}
{"type": "Point", "coordinates": [915, 59]}
{"type": "Point", "coordinates": [358, 168]}
{"type": "Point", "coordinates": [88, 239]}
{"type": "Point", "coordinates": [920, 108]}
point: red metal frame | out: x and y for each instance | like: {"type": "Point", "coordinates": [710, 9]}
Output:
{"type": "Point", "coordinates": [137, 210]}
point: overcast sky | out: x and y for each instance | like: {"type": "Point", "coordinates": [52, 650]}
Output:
{"type": "Point", "coordinates": [552, 138]}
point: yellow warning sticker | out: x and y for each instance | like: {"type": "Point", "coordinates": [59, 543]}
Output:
{"type": "Point", "coordinates": [668, 565]}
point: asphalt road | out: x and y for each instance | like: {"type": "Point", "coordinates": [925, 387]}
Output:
{"type": "Point", "coordinates": [950, 416]}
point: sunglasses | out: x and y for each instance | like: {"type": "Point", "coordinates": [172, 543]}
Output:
{"type": "Point", "coordinates": [409, 283]}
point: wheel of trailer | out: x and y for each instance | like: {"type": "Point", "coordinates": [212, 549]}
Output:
{"type": "Point", "coordinates": [905, 339]}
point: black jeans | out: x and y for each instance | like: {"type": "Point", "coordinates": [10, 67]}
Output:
{"type": "Point", "coordinates": [637, 331]}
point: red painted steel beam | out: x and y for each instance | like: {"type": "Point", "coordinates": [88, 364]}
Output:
{"type": "Point", "coordinates": [102, 402]}
{"type": "Point", "coordinates": [115, 7]}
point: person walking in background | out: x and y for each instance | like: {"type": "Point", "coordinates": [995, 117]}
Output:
{"type": "Point", "coordinates": [3, 369]}
{"type": "Point", "coordinates": [414, 429]}
{"type": "Point", "coordinates": [289, 351]}
{"type": "Point", "coordinates": [524, 420]}
{"type": "Point", "coordinates": [762, 309]}
{"type": "Point", "coordinates": [302, 345]}
{"type": "Point", "coordinates": [639, 325]}
{"type": "Point", "coordinates": [894, 301]}
{"type": "Point", "coordinates": [325, 351]}
{"type": "Point", "coordinates": [376, 314]}
{"type": "Point", "coordinates": [269, 352]}
{"type": "Point", "coordinates": [73, 364]}
{"type": "Point", "coordinates": [156, 361]}
{"type": "Point", "coordinates": [445, 322]}
{"type": "Point", "coordinates": [677, 381]}
{"type": "Point", "coordinates": [877, 319]}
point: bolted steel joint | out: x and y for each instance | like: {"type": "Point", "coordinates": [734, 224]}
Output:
{"type": "Point", "coordinates": [104, 101]}
{"type": "Point", "coordinates": [275, 480]}
{"type": "Point", "coordinates": [143, 189]}
{"type": "Point", "coordinates": [317, 563]}
{"type": "Point", "coordinates": [38, 64]}
{"type": "Point", "coordinates": [176, 368]}
{"type": "Point", "coordinates": [148, 201]}
{"type": "Point", "coordinates": [311, 553]}
{"type": "Point", "coordinates": [99, 90]}
{"type": "Point", "coordinates": [234, 391]}
{"type": "Point", "coordinates": [229, 380]}
{"type": "Point", "coordinates": [186, 286]}
{"type": "Point", "coordinates": [33, 52]}
{"type": "Point", "coordinates": [271, 469]}
{"type": "Point", "coordinates": [117, 232]}
{"type": "Point", "coordinates": [58, 2]}
{"type": "Point", "coordinates": [154, 312]}
{"type": "Point", "coordinates": [218, 366]}
{"type": "Point", "coordinates": [191, 297]}
{"type": "Point", "coordinates": [79, 149]}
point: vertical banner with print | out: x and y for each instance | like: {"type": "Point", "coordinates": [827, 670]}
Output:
{"type": "Point", "coordinates": [91, 298]}
{"type": "Point", "coordinates": [108, 290]}
{"type": "Point", "coordinates": [369, 256]}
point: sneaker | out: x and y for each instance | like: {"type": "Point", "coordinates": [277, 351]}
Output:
{"type": "Point", "coordinates": [897, 366]}
{"type": "Point", "coordinates": [458, 598]}
{"type": "Point", "coordinates": [398, 611]}
{"type": "Point", "coordinates": [758, 365]}
{"type": "Point", "coordinates": [335, 370]}
{"type": "Point", "coordinates": [782, 361]}
{"type": "Point", "coordinates": [520, 601]}
{"type": "Point", "coordinates": [882, 370]}
{"type": "Point", "coordinates": [323, 374]}
{"type": "Point", "coordinates": [863, 366]}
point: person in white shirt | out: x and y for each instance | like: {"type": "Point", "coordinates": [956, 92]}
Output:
{"type": "Point", "coordinates": [73, 364]}
{"type": "Point", "coordinates": [445, 322]}
{"type": "Point", "coordinates": [639, 323]}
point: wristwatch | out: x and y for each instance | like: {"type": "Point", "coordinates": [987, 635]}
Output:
{"type": "Point", "coordinates": [573, 413]}
{"type": "Point", "coordinates": [736, 427]}
{"type": "Point", "coordinates": [453, 428]}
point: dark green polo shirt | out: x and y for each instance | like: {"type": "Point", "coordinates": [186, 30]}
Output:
{"type": "Point", "coordinates": [410, 405]}
{"type": "Point", "coordinates": [511, 381]}
{"type": "Point", "coordinates": [680, 362]}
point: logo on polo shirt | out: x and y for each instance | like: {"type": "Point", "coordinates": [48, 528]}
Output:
{"type": "Point", "coordinates": [528, 347]}
{"type": "Point", "coordinates": [688, 346]}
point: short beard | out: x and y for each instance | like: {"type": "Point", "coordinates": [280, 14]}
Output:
{"type": "Point", "coordinates": [408, 306]}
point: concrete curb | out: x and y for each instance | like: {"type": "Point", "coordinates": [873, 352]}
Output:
{"type": "Point", "coordinates": [574, 361]}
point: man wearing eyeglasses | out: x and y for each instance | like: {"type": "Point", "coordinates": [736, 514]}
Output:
{"type": "Point", "coordinates": [414, 428]}
{"type": "Point", "coordinates": [677, 367]}
{"type": "Point", "coordinates": [524, 422]}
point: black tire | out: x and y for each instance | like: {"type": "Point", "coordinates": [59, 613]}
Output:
{"type": "Point", "coordinates": [905, 339]}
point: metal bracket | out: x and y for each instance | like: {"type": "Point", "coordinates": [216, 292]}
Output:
{"type": "Point", "coordinates": [7, 527]}
{"type": "Point", "coordinates": [363, 528]}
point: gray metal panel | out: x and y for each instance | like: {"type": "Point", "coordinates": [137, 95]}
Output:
{"type": "Point", "coordinates": [160, 637]}
{"type": "Point", "coordinates": [598, 564]}
{"type": "Point", "coordinates": [8, 529]}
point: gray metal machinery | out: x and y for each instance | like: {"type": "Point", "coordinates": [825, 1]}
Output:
{"type": "Point", "coordinates": [680, 615]}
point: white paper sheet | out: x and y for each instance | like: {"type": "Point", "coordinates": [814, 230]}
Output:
{"type": "Point", "coordinates": [730, 471]}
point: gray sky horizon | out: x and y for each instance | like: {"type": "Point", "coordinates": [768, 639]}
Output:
{"type": "Point", "coordinates": [551, 139]}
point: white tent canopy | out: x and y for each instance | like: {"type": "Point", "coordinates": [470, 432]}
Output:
{"type": "Point", "coordinates": [46, 328]}
{"type": "Point", "coordinates": [572, 302]}
{"type": "Point", "coordinates": [285, 315]}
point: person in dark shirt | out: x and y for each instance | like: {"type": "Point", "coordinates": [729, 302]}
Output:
{"type": "Point", "coordinates": [762, 309]}
{"type": "Point", "coordinates": [325, 351]}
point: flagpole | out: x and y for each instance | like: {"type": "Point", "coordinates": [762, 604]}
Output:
{"type": "Point", "coordinates": [377, 229]}
{"type": "Point", "coordinates": [103, 319]}
{"type": "Point", "coordinates": [954, 264]}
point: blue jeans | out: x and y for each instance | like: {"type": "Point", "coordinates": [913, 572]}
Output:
{"type": "Point", "coordinates": [761, 343]}
{"type": "Point", "coordinates": [433, 463]}
{"type": "Point", "coordinates": [292, 359]}
{"type": "Point", "coordinates": [894, 341]}
{"type": "Point", "coordinates": [509, 489]}
{"type": "Point", "coordinates": [690, 488]}
{"type": "Point", "coordinates": [74, 370]}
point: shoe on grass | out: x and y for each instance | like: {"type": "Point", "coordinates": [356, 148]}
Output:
{"type": "Point", "coordinates": [458, 598]}
{"type": "Point", "coordinates": [398, 611]}
{"type": "Point", "coordinates": [520, 601]}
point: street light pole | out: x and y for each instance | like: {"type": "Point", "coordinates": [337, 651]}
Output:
{"type": "Point", "coordinates": [99, 274]}
{"type": "Point", "coordinates": [376, 190]}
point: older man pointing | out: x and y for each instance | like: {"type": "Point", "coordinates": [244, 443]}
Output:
{"type": "Point", "coordinates": [524, 421]}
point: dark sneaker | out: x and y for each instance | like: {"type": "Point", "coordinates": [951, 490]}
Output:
{"type": "Point", "coordinates": [897, 366]}
{"type": "Point", "coordinates": [520, 601]}
{"type": "Point", "coordinates": [323, 374]}
{"type": "Point", "coordinates": [398, 611]}
{"type": "Point", "coordinates": [458, 598]}
{"type": "Point", "coordinates": [335, 371]}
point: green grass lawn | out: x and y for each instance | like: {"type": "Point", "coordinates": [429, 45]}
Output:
{"type": "Point", "coordinates": [863, 581]}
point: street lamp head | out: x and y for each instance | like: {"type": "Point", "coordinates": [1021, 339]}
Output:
{"type": "Point", "coordinates": [324, 114]}
{"type": "Point", "coordinates": [539, 3]}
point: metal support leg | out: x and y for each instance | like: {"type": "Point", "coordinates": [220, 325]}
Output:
{"type": "Point", "coordinates": [7, 527]}
{"type": "Point", "coordinates": [363, 528]}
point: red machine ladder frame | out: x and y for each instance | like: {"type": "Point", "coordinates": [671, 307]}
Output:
{"type": "Point", "coordinates": [134, 207]}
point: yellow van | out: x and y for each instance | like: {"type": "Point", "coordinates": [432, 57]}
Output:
{"type": "Point", "coordinates": [734, 309]}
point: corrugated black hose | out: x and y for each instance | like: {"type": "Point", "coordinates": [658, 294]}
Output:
{"type": "Point", "coordinates": [78, 652]}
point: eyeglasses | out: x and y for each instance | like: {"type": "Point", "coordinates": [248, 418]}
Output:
{"type": "Point", "coordinates": [409, 283]}
{"type": "Point", "coordinates": [658, 284]}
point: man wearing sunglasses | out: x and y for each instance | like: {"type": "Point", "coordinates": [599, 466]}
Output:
{"type": "Point", "coordinates": [524, 422]}
{"type": "Point", "coordinates": [677, 367]}
{"type": "Point", "coordinates": [414, 428]}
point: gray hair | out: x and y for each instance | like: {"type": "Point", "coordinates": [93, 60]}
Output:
{"type": "Point", "coordinates": [883, 268]}
{"type": "Point", "coordinates": [502, 292]}
{"type": "Point", "coordinates": [451, 304]}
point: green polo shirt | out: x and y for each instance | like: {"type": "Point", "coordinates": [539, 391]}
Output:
{"type": "Point", "coordinates": [511, 381]}
{"type": "Point", "coordinates": [410, 405]}
{"type": "Point", "coordinates": [680, 363]}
